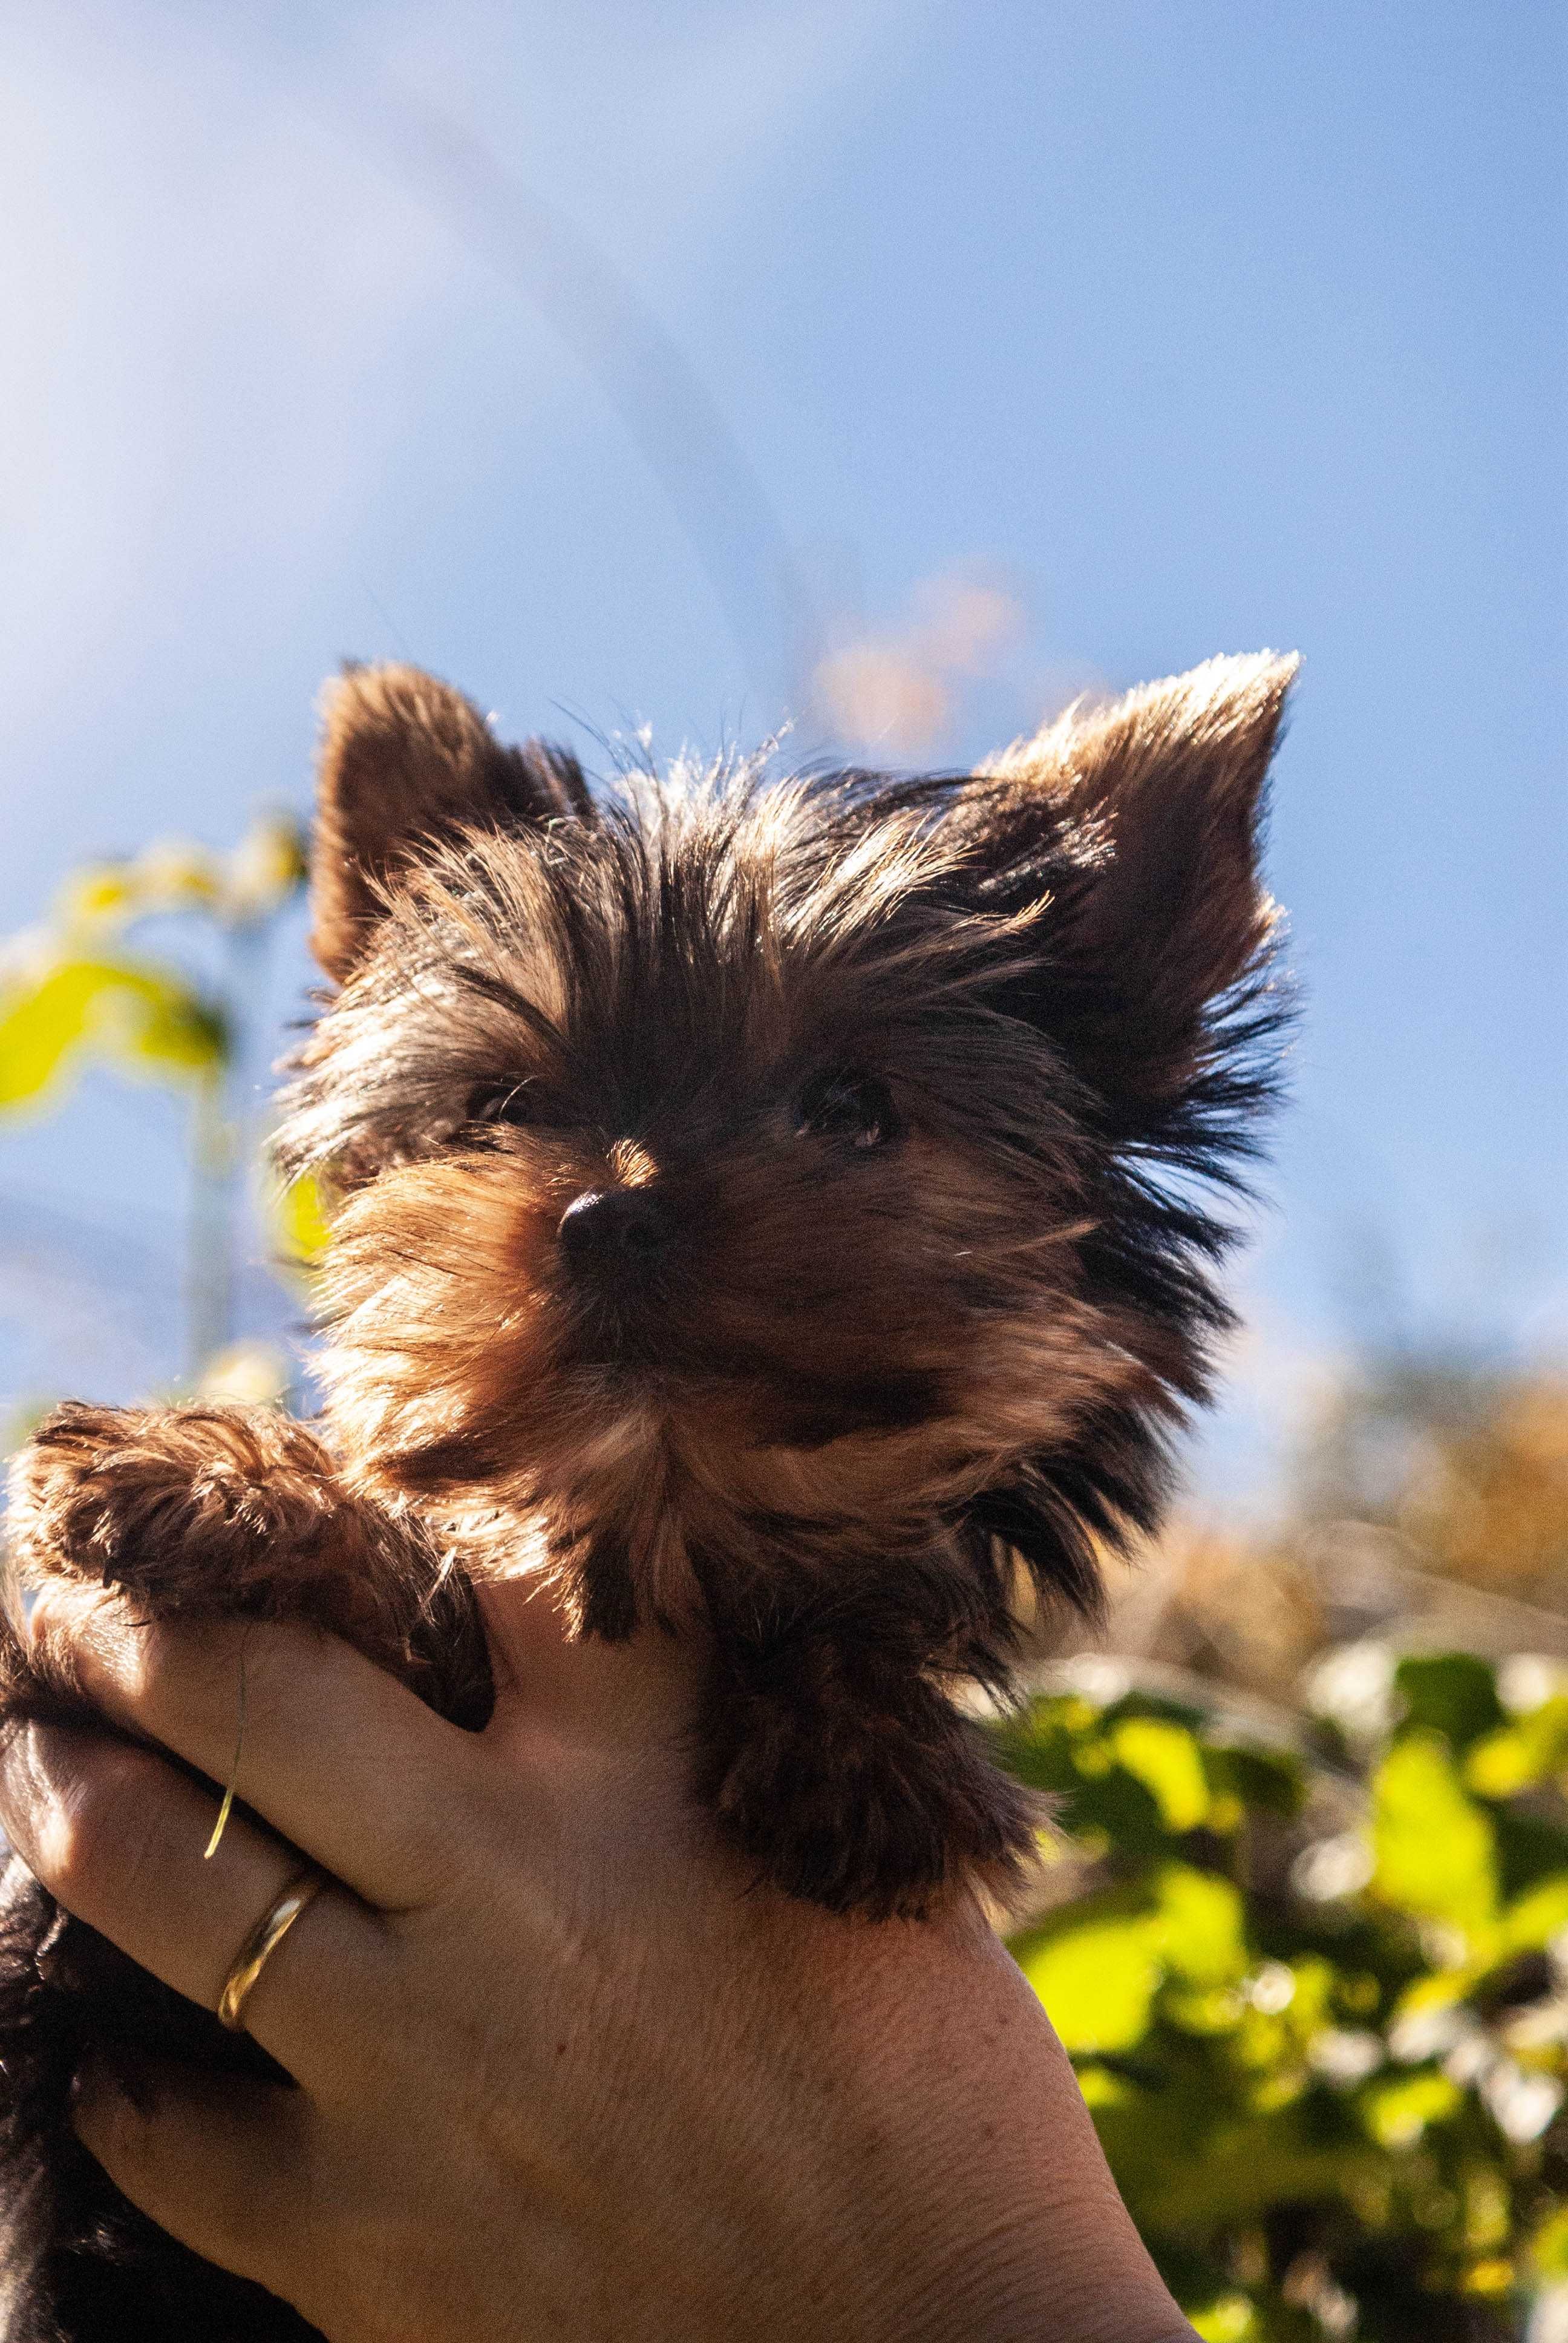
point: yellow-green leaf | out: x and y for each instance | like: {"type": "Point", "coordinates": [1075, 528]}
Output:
{"type": "Point", "coordinates": [174, 1031]}
{"type": "Point", "coordinates": [1165, 1757]}
{"type": "Point", "coordinates": [1521, 1754]}
{"type": "Point", "coordinates": [1540, 1913]}
{"type": "Point", "coordinates": [1101, 2089]}
{"type": "Point", "coordinates": [1098, 1983]}
{"type": "Point", "coordinates": [1548, 2247]}
{"type": "Point", "coordinates": [303, 1229]}
{"type": "Point", "coordinates": [1230, 2318]}
{"type": "Point", "coordinates": [1201, 1934]}
{"type": "Point", "coordinates": [1434, 1848]}
{"type": "Point", "coordinates": [1397, 2112]}
{"type": "Point", "coordinates": [125, 1008]}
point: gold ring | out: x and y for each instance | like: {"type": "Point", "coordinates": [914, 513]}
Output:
{"type": "Point", "coordinates": [262, 1942]}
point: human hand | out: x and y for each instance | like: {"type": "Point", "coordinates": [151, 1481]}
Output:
{"type": "Point", "coordinates": [564, 2072]}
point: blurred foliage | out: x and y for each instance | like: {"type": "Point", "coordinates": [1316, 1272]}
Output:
{"type": "Point", "coordinates": [300, 1216]}
{"type": "Point", "coordinates": [1469, 1469]}
{"type": "Point", "coordinates": [1317, 1996]}
{"type": "Point", "coordinates": [80, 989]}
{"type": "Point", "coordinates": [1427, 1498]}
{"type": "Point", "coordinates": [1310, 1960]}
{"type": "Point", "coordinates": [1332, 2092]}
{"type": "Point", "coordinates": [75, 988]}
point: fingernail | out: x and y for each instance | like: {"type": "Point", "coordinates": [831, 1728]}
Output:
{"type": "Point", "coordinates": [36, 1614]}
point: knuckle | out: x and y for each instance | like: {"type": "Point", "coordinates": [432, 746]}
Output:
{"type": "Point", "coordinates": [147, 1657]}
{"type": "Point", "coordinates": [117, 1657]}
{"type": "Point", "coordinates": [103, 1837]}
{"type": "Point", "coordinates": [191, 1668]}
{"type": "Point", "coordinates": [280, 1660]}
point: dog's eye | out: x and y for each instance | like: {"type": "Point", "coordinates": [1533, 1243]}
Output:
{"type": "Point", "coordinates": [507, 1102]}
{"type": "Point", "coordinates": [855, 1108]}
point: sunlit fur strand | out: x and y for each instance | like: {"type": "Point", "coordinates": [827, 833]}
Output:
{"type": "Point", "coordinates": [860, 1411]}
{"type": "Point", "coordinates": [813, 881]}
{"type": "Point", "coordinates": [707, 870]}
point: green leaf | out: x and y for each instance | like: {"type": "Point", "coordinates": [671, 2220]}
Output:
{"type": "Point", "coordinates": [42, 1020]}
{"type": "Point", "coordinates": [1534, 1918]}
{"type": "Point", "coordinates": [1396, 2113]}
{"type": "Point", "coordinates": [1036, 1743]}
{"type": "Point", "coordinates": [1098, 1983]}
{"type": "Point", "coordinates": [1229, 2319]}
{"type": "Point", "coordinates": [1166, 1759]}
{"type": "Point", "coordinates": [1548, 2247]}
{"type": "Point", "coordinates": [303, 1229]}
{"type": "Point", "coordinates": [1103, 2088]}
{"type": "Point", "coordinates": [129, 1009]}
{"type": "Point", "coordinates": [1434, 1848]}
{"type": "Point", "coordinates": [1501, 1764]}
{"type": "Point", "coordinates": [175, 1032]}
{"type": "Point", "coordinates": [1532, 1843]}
{"type": "Point", "coordinates": [1099, 1977]}
{"type": "Point", "coordinates": [1265, 1781]}
{"type": "Point", "coordinates": [1199, 1924]}
{"type": "Point", "coordinates": [1450, 1693]}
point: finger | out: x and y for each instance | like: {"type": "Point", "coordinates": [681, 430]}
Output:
{"type": "Point", "coordinates": [116, 1835]}
{"type": "Point", "coordinates": [219, 2161]}
{"type": "Point", "coordinates": [582, 1689]}
{"type": "Point", "coordinates": [337, 1754]}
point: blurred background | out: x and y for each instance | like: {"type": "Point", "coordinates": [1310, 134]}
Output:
{"type": "Point", "coordinates": [891, 375]}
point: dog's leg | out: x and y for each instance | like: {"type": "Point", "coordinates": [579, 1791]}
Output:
{"type": "Point", "coordinates": [225, 1511]}
{"type": "Point", "coordinates": [179, 1514]}
{"type": "Point", "coordinates": [852, 1780]}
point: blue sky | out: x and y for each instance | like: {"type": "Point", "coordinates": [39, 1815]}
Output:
{"type": "Point", "coordinates": [535, 343]}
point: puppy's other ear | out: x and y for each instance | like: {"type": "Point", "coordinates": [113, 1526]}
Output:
{"type": "Point", "coordinates": [406, 761]}
{"type": "Point", "coordinates": [1142, 821]}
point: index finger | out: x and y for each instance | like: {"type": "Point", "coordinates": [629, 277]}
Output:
{"type": "Point", "coordinates": [339, 1757]}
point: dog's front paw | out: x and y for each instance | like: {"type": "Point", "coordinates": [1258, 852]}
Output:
{"type": "Point", "coordinates": [210, 1512]}
{"type": "Point", "coordinates": [883, 1806]}
{"type": "Point", "coordinates": [187, 1508]}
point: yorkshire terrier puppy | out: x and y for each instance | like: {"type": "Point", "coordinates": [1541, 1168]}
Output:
{"type": "Point", "coordinates": [771, 1210]}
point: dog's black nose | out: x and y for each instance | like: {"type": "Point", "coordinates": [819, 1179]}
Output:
{"type": "Point", "coordinates": [611, 1228]}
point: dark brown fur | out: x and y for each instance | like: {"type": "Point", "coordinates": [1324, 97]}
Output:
{"type": "Point", "coordinates": [191, 1511]}
{"type": "Point", "coordinates": [895, 1096]}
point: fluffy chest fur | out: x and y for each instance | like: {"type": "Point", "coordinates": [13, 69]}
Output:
{"type": "Point", "coordinates": [779, 1212]}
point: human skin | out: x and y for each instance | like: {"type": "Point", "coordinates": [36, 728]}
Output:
{"type": "Point", "coordinates": [564, 2071]}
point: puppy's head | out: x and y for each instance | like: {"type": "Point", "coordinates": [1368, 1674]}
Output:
{"type": "Point", "coordinates": [723, 1159]}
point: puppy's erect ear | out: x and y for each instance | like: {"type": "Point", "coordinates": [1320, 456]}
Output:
{"type": "Point", "coordinates": [404, 762]}
{"type": "Point", "coordinates": [1141, 820]}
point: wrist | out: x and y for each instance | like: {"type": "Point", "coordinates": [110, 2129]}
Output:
{"type": "Point", "coordinates": [981, 2208]}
